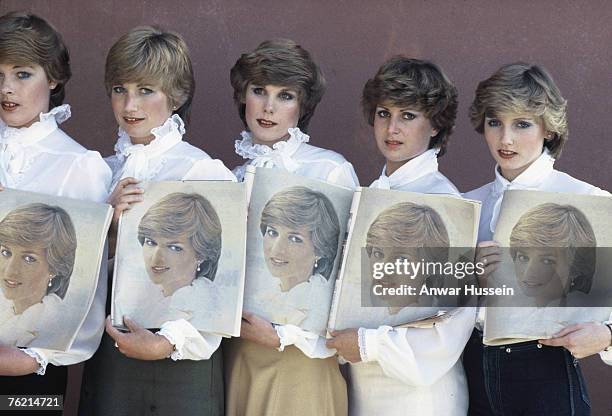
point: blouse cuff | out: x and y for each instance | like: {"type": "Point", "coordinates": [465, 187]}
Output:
{"type": "Point", "coordinates": [40, 359]}
{"type": "Point", "coordinates": [606, 355]}
{"type": "Point", "coordinates": [368, 343]}
{"type": "Point", "coordinates": [175, 338]}
{"type": "Point", "coordinates": [312, 345]}
{"type": "Point", "coordinates": [291, 335]}
{"type": "Point", "coordinates": [361, 341]}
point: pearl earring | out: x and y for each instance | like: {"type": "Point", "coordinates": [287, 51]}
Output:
{"type": "Point", "coordinates": [50, 282]}
{"type": "Point", "coordinates": [198, 269]}
{"type": "Point", "coordinates": [316, 263]}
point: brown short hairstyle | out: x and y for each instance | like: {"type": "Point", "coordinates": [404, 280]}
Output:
{"type": "Point", "coordinates": [149, 54]}
{"type": "Point", "coordinates": [521, 88]}
{"type": "Point", "coordinates": [411, 82]}
{"type": "Point", "coordinates": [49, 227]}
{"type": "Point", "coordinates": [191, 214]}
{"type": "Point", "coordinates": [552, 225]}
{"type": "Point", "coordinates": [299, 206]}
{"type": "Point", "coordinates": [280, 62]}
{"type": "Point", "coordinates": [27, 39]}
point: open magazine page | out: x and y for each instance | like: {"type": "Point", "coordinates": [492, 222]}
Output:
{"type": "Point", "coordinates": [296, 226]}
{"type": "Point", "coordinates": [181, 255]}
{"type": "Point", "coordinates": [556, 258]}
{"type": "Point", "coordinates": [423, 239]}
{"type": "Point", "coordinates": [51, 252]}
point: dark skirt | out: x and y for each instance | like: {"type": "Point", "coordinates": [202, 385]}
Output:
{"type": "Point", "coordinates": [114, 385]}
{"type": "Point", "coordinates": [53, 382]}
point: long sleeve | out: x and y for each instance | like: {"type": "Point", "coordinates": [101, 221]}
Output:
{"type": "Point", "coordinates": [211, 169]}
{"type": "Point", "coordinates": [419, 356]}
{"type": "Point", "coordinates": [189, 343]}
{"type": "Point", "coordinates": [88, 179]}
{"type": "Point", "coordinates": [312, 345]}
{"type": "Point", "coordinates": [344, 175]}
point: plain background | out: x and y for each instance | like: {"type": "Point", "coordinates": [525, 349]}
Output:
{"type": "Point", "coordinates": [350, 39]}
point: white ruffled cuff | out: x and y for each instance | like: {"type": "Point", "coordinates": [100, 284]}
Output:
{"type": "Point", "coordinates": [312, 345]}
{"type": "Point", "coordinates": [40, 359]}
{"type": "Point", "coordinates": [175, 338]}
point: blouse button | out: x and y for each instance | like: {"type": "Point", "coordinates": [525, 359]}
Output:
{"type": "Point", "coordinates": [539, 345]}
{"type": "Point", "coordinates": [508, 350]}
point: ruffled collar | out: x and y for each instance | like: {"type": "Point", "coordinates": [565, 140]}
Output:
{"type": "Point", "coordinates": [16, 144]}
{"type": "Point", "coordinates": [530, 179]}
{"type": "Point", "coordinates": [166, 135]}
{"type": "Point", "coordinates": [25, 136]}
{"type": "Point", "coordinates": [422, 165]}
{"type": "Point", "coordinates": [135, 159]}
{"type": "Point", "coordinates": [279, 155]}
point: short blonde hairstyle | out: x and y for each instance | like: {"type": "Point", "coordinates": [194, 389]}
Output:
{"type": "Point", "coordinates": [522, 88]}
{"type": "Point", "coordinates": [407, 224]}
{"type": "Point", "coordinates": [299, 206]}
{"type": "Point", "coordinates": [49, 227]}
{"type": "Point", "coordinates": [190, 214]}
{"type": "Point", "coordinates": [279, 62]}
{"type": "Point", "coordinates": [403, 81]}
{"type": "Point", "coordinates": [148, 54]}
{"type": "Point", "coordinates": [28, 39]}
{"type": "Point", "coordinates": [559, 226]}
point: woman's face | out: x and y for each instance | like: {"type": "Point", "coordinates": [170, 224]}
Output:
{"type": "Point", "coordinates": [515, 142]}
{"type": "Point", "coordinates": [402, 133]}
{"type": "Point", "coordinates": [170, 262]}
{"type": "Point", "coordinates": [270, 110]}
{"type": "Point", "coordinates": [24, 274]}
{"type": "Point", "coordinates": [542, 273]}
{"type": "Point", "coordinates": [289, 253]}
{"type": "Point", "coordinates": [24, 94]}
{"type": "Point", "coordinates": [139, 108]}
{"type": "Point", "coordinates": [392, 281]}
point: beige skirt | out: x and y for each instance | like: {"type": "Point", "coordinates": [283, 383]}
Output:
{"type": "Point", "coordinates": [262, 381]}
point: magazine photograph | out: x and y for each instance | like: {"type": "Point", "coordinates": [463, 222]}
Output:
{"type": "Point", "coordinates": [180, 255]}
{"type": "Point", "coordinates": [295, 232]}
{"type": "Point", "coordinates": [556, 258]}
{"type": "Point", "coordinates": [51, 250]}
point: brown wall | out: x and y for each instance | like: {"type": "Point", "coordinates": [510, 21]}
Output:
{"type": "Point", "coordinates": [350, 39]}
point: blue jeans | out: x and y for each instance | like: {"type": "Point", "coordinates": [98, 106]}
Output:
{"type": "Point", "coordinates": [526, 379]}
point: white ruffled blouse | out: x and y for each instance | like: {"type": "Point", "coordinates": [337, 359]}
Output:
{"type": "Point", "coordinates": [168, 158]}
{"type": "Point", "coordinates": [413, 368]}
{"type": "Point", "coordinates": [295, 155]}
{"type": "Point", "coordinates": [298, 157]}
{"type": "Point", "coordinates": [539, 176]}
{"type": "Point", "coordinates": [42, 158]}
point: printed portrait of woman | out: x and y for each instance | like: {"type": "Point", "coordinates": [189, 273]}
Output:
{"type": "Point", "coordinates": [37, 253]}
{"type": "Point", "coordinates": [300, 230]}
{"type": "Point", "coordinates": [406, 231]}
{"type": "Point", "coordinates": [553, 248]}
{"type": "Point", "coordinates": [181, 241]}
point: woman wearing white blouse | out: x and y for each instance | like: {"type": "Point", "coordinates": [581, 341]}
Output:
{"type": "Point", "coordinates": [150, 82]}
{"type": "Point", "coordinates": [277, 88]}
{"type": "Point", "coordinates": [522, 115]}
{"type": "Point", "coordinates": [412, 106]}
{"type": "Point", "coordinates": [36, 156]}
